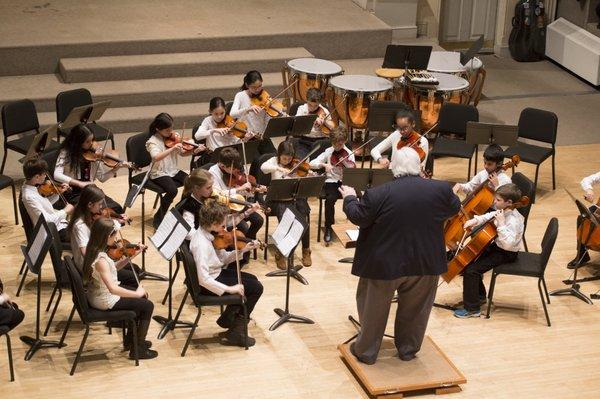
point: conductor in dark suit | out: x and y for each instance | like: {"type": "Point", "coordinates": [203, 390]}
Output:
{"type": "Point", "coordinates": [401, 249]}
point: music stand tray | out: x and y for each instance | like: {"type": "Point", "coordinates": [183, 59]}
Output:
{"type": "Point", "coordinates": [303, 124]}
{"type": "Point", "coordinates": [407, 57]}
{"type": "Point", "coordinates": [278, 127]}
{"type": "Point", "coordinates": [488, 133]}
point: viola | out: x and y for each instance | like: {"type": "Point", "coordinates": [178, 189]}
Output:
{"type": "Point", "coordinates": [236, 127]}
{"type": "Point", "coordinates": [273, 107]}
{"type": "Point", "coordinates": [122, 248]}
{"type": "Point", "coordinates": [412, 141]}
{"type": "Point", "coordinates": [48, 188]}
{"type": "Point", "coordinates": [110, 158]}
{"type": "Point", "coordinates": [476, 203]}
{"type": "Point", "coordinates": [477, 244]}
{"type": "Point", "coordinates": [186, 142]}
{"type": "Point", "coordinates": [225, 240]}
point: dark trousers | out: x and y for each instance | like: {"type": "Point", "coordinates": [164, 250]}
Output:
{"type": "Point", "coordinates": [252, 288]}
{"type": "Point", "coordinates": [473, 288]}
{"type": "Point", "coordinates": [64, 236]}
{"type": "Point", "coordinates": [302, 207]}
{"type": "Point", "coordinates": [373, 301]}
{"type": "Point", "coordinates": [169, 185]}
{"type": "Point", "coordinates": [331, 196]}
{"type": "Point", "coordinates": [73, 197]}
{"type": "Point", "coordinates": [250, 225]}
{"type": "Point", "coordinates": [143, 309]}
{"type": "Point", "coordinates": [11, 317]}
{"type": "Point", "coordinates": [126, 276]}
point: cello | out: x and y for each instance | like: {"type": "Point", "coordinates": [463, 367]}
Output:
{"type": "Point", "coordinates": [480, 240]}
{"type": "Point", "coordinates": [476, 203]}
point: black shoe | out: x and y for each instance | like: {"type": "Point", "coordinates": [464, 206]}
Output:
{"type": "Point", "coordinates": [575, 263]}
{"type": "Point", "coordinates": [328, 234]}
{"type": "Point", "coordinates": [144, 353]}
{"type": "Point", "coordinates": [127, 344]}
{"type": "Point", "coordinates": [227, 319]}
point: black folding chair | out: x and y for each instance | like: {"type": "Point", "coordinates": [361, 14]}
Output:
{"type": "Point", "coordinates": [530, 265]}
{"type": "Point", "coordinates": [89, 315]}
{"type": "Point", "coordinates": [200, 300]}
{"type": "Point", "coordinates": [6, 181]}
{"type": "Point", "coordinates": [60, 274]}
{"type": "Point", "coordinates": [4, 331]}
{"type": "Point", "coordinates": [527, 189]}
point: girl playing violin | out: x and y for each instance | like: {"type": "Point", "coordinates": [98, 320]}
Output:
{"type": "Point", "coordinates": [106, 292]}
{"type": "Point", "coordinates": [313, 106]}
{"type": "Point", "coordinates": [253, 115]}
{"type": "Point", "coordinates": [405, 132]}
{"type": "Point", "coordinates": [89, 206]}
{"type": "Point", "coordinates": [333, 160]}
{"type": "Point", "coordinates": [216, 280]}
{"type": "Point", "coordinates": [73, 169]}
{"type": "Point", "coordinates": [509, 225]}
{"type": "Point", "coordinates": [216, 135]}
{"type": "Point", "coordinates": [279, 168]}
{"type": "Point", "coordinates": [493, 157]}
{"type": "Point", "coordinates": [165, 172]}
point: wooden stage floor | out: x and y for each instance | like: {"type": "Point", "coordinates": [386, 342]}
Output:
{"type": "Point", "coordinates": [513, 354]}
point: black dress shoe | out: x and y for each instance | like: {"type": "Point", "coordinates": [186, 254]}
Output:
{"type": "Point", "coordinates": [576, 262]}
{"type": "Point", "coordinates": [328, 233]}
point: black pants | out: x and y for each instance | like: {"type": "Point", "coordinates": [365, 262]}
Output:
{"type": "Point", "coordinates": [170, 186]}
{"type": "Point", "coordinates": [143, 309]}
{"type": "Point", "coordinates": [73, 197]}
{"type": "Point", "coordinates": [64, 236]}
{"type": "Point", "coordinates": [126, 276]}
{"type": "Point", "coordinates": [278, 209]}
{"type": "Point", "coordinates": [250, 225]}
{"type": "Point", "coordinates": [252, 288]}
{"type": "Point", "coordinates": [331, 196]}
{"type": "Point", "coordinates": [473, 288]}
{"type": "Point", "coordinates": [11, 317]}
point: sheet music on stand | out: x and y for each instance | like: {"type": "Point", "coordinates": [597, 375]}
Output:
{"type": "Point", "coordinates": [84, 113]}
{"type": "Point", "coordinates": [288, 233]}
{"type": "Point", "coordinates": [135, 190]}
{"type": "Point", "coordinates": [36, 252]}
{"type": "Point", "coordinates": [170, 234]}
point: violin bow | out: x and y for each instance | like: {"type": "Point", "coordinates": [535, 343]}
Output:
{"type": "Point", "coordinates": [330, 114]}
{"type": "Point", "coordinates": [353, 151]}
{"type": "Point", "coordinates": [237, 255]}
{"type": "Point", "coordinates": [61, 196]}
{"type": "Point", "coordinates": [303, 160]}
{"type": "Point", "coordinates": [97, 161]}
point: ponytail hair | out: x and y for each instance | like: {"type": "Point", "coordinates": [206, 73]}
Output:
{"type": "Point", "coordinates": [215, 103]}
{"type": "Point", "coordinates": [197, 177]}
{"type": "Point", "coordinates": [99, 233]}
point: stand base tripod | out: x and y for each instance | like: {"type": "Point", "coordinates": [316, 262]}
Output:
{"type": "Point", "coordinates": [170, 324]}
{"type": "Point", "coordinates": [444, 306]}
{"type": "Point", "coordinates": [575, 291]}
{"type": "Point", "coordinates": [357, 326]}
{"type": "Point", "coordinates": [36, 343]}
{"type": "Point", "coordinates": [294, 272]}
{"type": "Point", "coordinates": [346, 260]}
{"type": "Point", "coordinates": [285, 316]}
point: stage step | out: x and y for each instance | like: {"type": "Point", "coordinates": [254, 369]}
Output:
{"type": "Point", "coordinates": [151, 66]}
{"type": "Point", "coordinates": [42, 89]}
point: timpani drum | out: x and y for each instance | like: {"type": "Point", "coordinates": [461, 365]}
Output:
{"type": "Point", "coordinates": [308, 73]}
{"type": "Point", "coordinates": [352, 95]}
{"type": "Point", "coordinates": [449, 62]}
{"type": "Point", "coordinates": [429, 99]}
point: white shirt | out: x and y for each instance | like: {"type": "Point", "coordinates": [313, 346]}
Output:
{"type": "Point", "coordinates": [80, 236]}
{"type": "Point", "coordinates": [209, 261]}
{"type": "Point", "coordinates": [510, 233]}
{"type": "Point", "coordinates": [271, 167]}
{"type": "Point", "coordinates": [97, 292]}
{"type": "Point", "coordinates": [214, 140]}
{"type": "Point", "coordinates": [166, 166]}
{"type": "Point", "coordinates": [36, 205]}
{"type": "Point", "coordinates": [316, 130]}
{"type": "Point", "coordinates": [190, 219]}
{"type": "Point", "coordinates": [256, 122]}
{"type": "Point", "coordinates": [481, 178]}
{"type": "Point", "coordinates": [391, 141]}
{"type": "Point", "coordinates": [63, 173]}
{"type": "Point", "coordinates": [334, 176]}
{"type": "Point", "coordinates": [588, 182]}
{"type": "Point", "coordinates": [218, 180]}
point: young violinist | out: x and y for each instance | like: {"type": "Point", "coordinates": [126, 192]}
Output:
{"type": "Point", "coordinates": [404, 135]}
{"type": "Point", "coordinates": [165, 172]}
{"type": "Point", "coordinates": [214, 279]}
{"type": "Point", "coordinates": [10, 314]}
{"type": "Point", "coordinates": [509, 225]}
{"type": "Point", "coordinates": [493, 157]}
{"type": "Point", "coordinates": [210, 130]}
{"type": "Point", "coordinates": [87, 210]}
{"type": "Point", "coordinates": [253, 115]}
{"type": "Point", "coordinates": [279, 167]}
{"type": "Point", "coordinates": [76, 171]}
{"type": "Point", "coordinates": [333, 160]}
{"type": "Point", "coordinates": [106, 292]}
{"type": "Point", "coordinates": [35, 172]}
{"type": "Point", "coordinates": [313, 106]}
{"type": "Point", "coordinates": [587, 185]}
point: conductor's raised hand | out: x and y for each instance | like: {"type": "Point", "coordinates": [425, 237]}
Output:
{"type": "Point", "coordinates": [346, 191]}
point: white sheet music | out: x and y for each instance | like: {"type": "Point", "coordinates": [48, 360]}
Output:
{"type": "Point", "coordinates": [352, 234]}
{"type": "Point", "coordinates": [169, 236]}
{"type": "Point", "coordinates": [37, 245]}
{"type": "Point", "coordinates": [284, 226]}
{"type": "Point", "coordinates": [288, 233]}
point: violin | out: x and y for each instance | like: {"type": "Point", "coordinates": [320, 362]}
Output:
{"type": "Point", "coordinates": [324, 116]}
{"type": "Point", "coordinates": [110, 158]}
{"type": "Point", "coordinates": [477, 244]}
{"type": "Point", "coordinates": [186, 142]}
{"type": "Point", "coordinates": [412, 141]}
{"type": "Point", "coordinates": [48, 188]}
{"type": "Point", "coordinates": [340, 158]}
{"type": "Point", "coordinates": [226, 240]}
{"type": "Point", "coordinates": [476, 203]}
{"type": "Point", "coordinates": [237, 178]}
{"type": "Point", "coordinates": [109, 213]}
{"type": "Point", "coordinates": [273, 107]}
{"type": "Point", "coordinates": [238, 128]}
{"type": "Point", "coordinates": [236, 202]}
{"type": "Point", "coordinates": [299, 167]}
{"type": "Point", "coordinates": [121, 248]}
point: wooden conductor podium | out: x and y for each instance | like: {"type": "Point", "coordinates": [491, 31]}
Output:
{"type": "Point", "coordinates": [390, 378]}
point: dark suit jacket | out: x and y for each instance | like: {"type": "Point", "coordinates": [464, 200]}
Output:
{"type": "Point", "coordinates": [401, 228]}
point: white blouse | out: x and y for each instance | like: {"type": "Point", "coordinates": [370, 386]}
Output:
{"type": "Point", "coordinates": [257, 123]}
{"type": "Point", "coordinates": [334, 176]}
{"type": "Point", "coordinates": [482, 177]}
{"type": "Point", "coordinates": [80, 236]}
{"type": "Point", "coordinates": [271, 167]}
{"type": "Point", "coordinates": [391, 141]}
{"type": "Point", "coordinates": [98, 294]}
{"type": "Point", "coordinates": [64, 173]}
{"type": "Point", "coordinates": [166, 166]}
{"type": "Point", "coordinates": [37, 205]}
{"type": "Point", "coordinates": [214, 140]}
{"type": "Point", "coordinates": [589, 181]}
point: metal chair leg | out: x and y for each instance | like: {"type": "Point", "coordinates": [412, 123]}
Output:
{"type": "Point", "coordinates": [22, 267]}
{"type": "Point", "coordinates": [15, 203]}
{"type": "Point", "coordinates": [546, 290]}
{"type": "Point", "coordinates": [4, 158]}
{"type": "Point", "coordinates": [170, 285]}
{"type": "Point", "coordinates": [537, 169]}
{"type": "Point", "coordinates": [553, 174]}
{"type": "Point", "coordinates": [245, 326]}
{"type": "Point", "coordinates": [266, 250]}
{"type": "Point", "coordinates": [85, 335]}
{"type": "Point", "coordinates": [10, 359]}
{"type": "Point", "coordinates": [64, 334]}
{"type": "Point", "coordinates": [192, 330]}
{"type": "Point", "coordinates": [469, 171]}
{"type": "Point", "coordinates": [155, 201]}
{"type": "Point", "coordinates": [22, 282]}
{"type": "Point", "coordinates": [525, 243]}
{"type": "Point", "coordinates": [53, 312]}
{"type": "Point", "coordinates": [543, 302]}
{"type": "Point", "coordinates": [491, 295]}
{"type": "Point", "coordinates": [319, 220]}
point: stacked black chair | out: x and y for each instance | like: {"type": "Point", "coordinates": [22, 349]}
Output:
{"type": "Point", "coordinates": [530, 265]}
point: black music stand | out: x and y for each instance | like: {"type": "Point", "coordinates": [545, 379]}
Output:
{"type": "Point", "coordinates": [35, 254]}
{"type": "Point", "coordinates": [251, 150]}
{"type": "Point", "coordinates": [491, 133]}
{"type": "Point", "coordinates": [278, 127]}
{"type": "Point", "coordinates": [471, 52]}
{"type": "Point", "coordinates": [167, 239]}
{"type": "Point", "coordinates": [302, 125]}
{"type": "Point", "coordinates": [407, 57]}
{"type": "Point", "coordinates": [39, 143]}
{"type": "Point", "coordinates": [289, 190]}
{"type": "Point", "coordinates": [84, 114]}
{"type": "Point", "coordinates": [574, 290]}
{"type": "Point", "coordinates": [284, 314]}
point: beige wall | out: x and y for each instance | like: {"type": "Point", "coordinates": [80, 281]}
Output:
{"type": "Point", "coordinates": [428, 12]}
